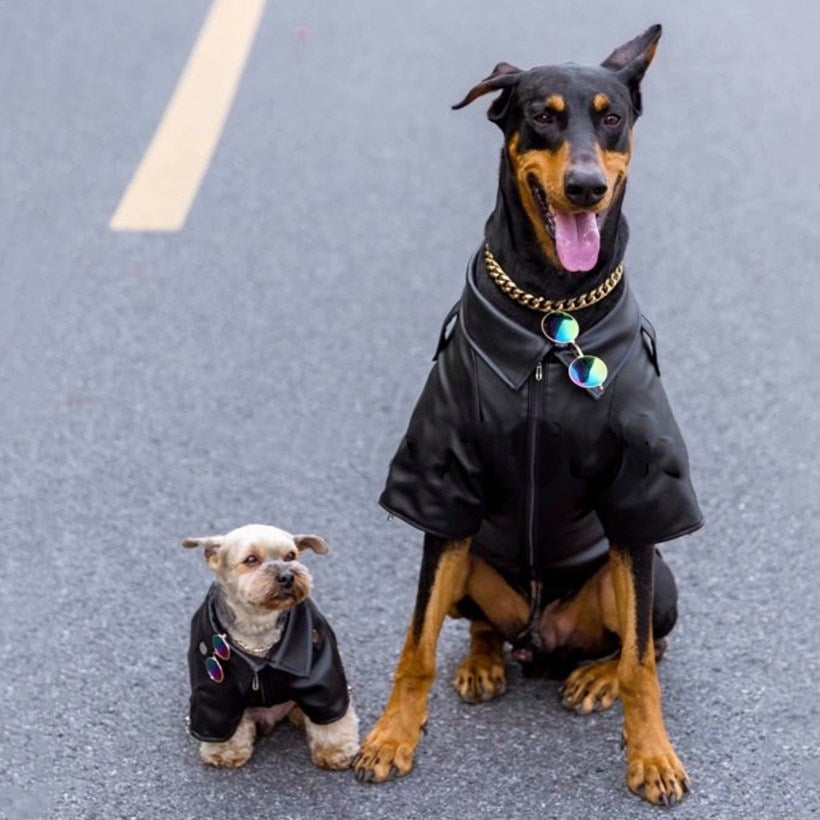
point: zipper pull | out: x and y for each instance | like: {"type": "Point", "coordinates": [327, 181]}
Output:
{"type": "Point", "coordinates": [539, 372]}
{"type": "Point", "coordinates": [255, 683]}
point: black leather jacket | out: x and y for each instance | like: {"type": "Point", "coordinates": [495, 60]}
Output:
{"type": "Point", "coordinates": [304, 666]}
{"type": "Point", "coordinates": [503, 447]}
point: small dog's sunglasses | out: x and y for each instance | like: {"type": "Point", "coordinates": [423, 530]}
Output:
{"type": "Point", "coordinates": [562, 329]}
{"type": "Point", "coordinates": [222, 651]}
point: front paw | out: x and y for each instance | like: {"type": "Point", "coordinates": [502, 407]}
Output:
{"type": "Point", "coordinates": [387, 752]}
{"type": "Point", "coordinates": [227, 755]}
{"type": "Point", "coordinates": [658, 777]}
{"type": "Point", "coordinates": [480, 678]}
{"type": "Point", "coordinates": [233, 753]}
{"type": "Point", "coordinates": [334, 758]}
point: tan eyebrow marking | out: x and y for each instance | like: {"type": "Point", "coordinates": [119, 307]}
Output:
{"type": "Point", "coordinates": [600, 102]}
{"type": "Point", "coordinates": [556, 102]}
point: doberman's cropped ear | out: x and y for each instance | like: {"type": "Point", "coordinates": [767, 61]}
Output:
{"type": "Point", "coordinates": [631, 60]}
{"type": "Point", "coordinates": [311, 542]}
{"type": "Point", "coordinates": [503, 78]}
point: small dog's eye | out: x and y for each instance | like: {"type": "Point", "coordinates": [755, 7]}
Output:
{"type": "Point", "coordinates": [612, 119]}
{"type": "Point", "coordinates": [251, 559]}
{"type": "Point", "coordinates": [291, 556]}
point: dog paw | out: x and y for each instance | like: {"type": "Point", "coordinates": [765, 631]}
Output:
{"type": "Point", "coordinates": [333, 757]}
{"type": "Point", "coordinates": [225, 755]}
{"type": "Point", "coordinates": [480, 678]}
{"type": "Point", "coordinates": [658, 778]}
{"type": "Point", "coordinates": [387, 752]}
{"type": "Point", "coordinates": [592, 687]}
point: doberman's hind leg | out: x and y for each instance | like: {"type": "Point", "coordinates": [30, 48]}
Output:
{"type": "Point", "coordinates": [587, 624]}
{"type": "Point", "coordinates": [388, 749]}
{"type": "Point", "coordinates": [481, 675]}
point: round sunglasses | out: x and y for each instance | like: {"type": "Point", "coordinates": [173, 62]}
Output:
{"type": "Point", "coordinates": [222, 651]}
{"type": "Point", "coordinates": [562, 329]}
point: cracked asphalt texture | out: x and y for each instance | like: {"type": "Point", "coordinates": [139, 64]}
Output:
{"type": "Point", "coordinates": [261, 364]}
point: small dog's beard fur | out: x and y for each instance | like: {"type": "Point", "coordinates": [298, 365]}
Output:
{"type": "Point", "coordinates": [263, 589]}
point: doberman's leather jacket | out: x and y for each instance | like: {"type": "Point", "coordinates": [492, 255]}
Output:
{"type": "Point", "coordinates": [503, 447]}
{"type": "Point", "coordinates": [304, 666]}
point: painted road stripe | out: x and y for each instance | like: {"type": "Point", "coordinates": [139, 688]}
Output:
{"type": "Point", "coordinates": [167, 179]}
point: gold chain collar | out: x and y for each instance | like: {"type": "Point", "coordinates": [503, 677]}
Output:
{"type": "Point", "coordinates": [257, 650]}
{"type": "Point", "coordinates": [534, 302]}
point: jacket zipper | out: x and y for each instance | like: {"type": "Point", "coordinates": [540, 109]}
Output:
{"type": "Point", "coordinates": [535, 410]}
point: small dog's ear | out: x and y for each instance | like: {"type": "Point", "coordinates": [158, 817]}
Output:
{"type": "Point", "coordinates": [211, 543]}
{"type": "Point", "coordinates": [503, 78]}
{"type": "Point", "coordinates": [311, 542]}
{"type": "Point", "coordinates": [631, 60]}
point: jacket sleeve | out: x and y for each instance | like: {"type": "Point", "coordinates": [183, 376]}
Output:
{"type": "Point", "coordinates": [215, 709]}
{"type": "Point", "coordinates": [650, 498]}
{"type": "Point", "coordinates": [434, 481]}
{"type": "Point", "coordinates": [323, 695]}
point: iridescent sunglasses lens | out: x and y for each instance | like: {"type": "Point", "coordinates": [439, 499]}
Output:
{"type": "Point", "coordinates": [222, 648]}
{"type": "Point", "coordinates": [588, 371]}
{"type": "Point", "coordinates": [214, 669]}
{"type": "Point", "coordinates": [560, 327]}
{"type": "Point", "coordinates": [585, 371]}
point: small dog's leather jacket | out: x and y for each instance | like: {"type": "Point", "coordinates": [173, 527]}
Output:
{"type": "Point", "coordinates": [304, 666]}
{"type": "Point", "coordinates": [503, 447]}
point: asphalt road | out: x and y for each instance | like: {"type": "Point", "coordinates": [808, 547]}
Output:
{"type": "Point", "coordinates": [260, 365]}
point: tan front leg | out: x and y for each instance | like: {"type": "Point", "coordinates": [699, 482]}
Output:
{"type": "Point", "coordinates": [653, 768]}
{"type": "Point", "coordinates": [388, 750]}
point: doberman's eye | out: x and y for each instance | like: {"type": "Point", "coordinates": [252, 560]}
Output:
{"type": "Point", "coordinates": [544, 118]}
{"type": "Point", "coordinates": [612, 119]}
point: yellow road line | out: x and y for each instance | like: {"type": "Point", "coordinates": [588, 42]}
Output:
{"type": "Point", "coordinates": [167, 179]}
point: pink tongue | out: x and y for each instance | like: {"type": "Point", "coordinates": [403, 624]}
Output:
{"type": "Point", "coordinates": [577, 240]}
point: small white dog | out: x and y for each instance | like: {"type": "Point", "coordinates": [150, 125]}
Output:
{"type": "Point", "coordinates": [261, 650]}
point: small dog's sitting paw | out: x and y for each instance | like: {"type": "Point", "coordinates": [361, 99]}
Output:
{"type": "Point", "coordinates": [225, 755]}
{"type": "Point", "coordinates": [233, 753]}
{"type": "Point", "coordinates": [334, 745]}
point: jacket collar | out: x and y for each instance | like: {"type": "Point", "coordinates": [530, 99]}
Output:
{"type": "Point", "coordinates": [294, 651]}
{"type": "Point", "coordinates": [513, 351]}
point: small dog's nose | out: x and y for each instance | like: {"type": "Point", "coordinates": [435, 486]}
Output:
{"type": "Point", "coordinates": [285, 579]}
{"type": "Point", "coordinates": [584, 186]}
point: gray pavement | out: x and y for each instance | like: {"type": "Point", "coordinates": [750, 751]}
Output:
{"type": "Point", "coordinates": [261, 364]}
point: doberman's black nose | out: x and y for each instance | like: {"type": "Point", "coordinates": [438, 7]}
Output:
{"type": "Point", "coordinates": [285, 580]}
{"type": "Point", "coordinates": [584, 186]}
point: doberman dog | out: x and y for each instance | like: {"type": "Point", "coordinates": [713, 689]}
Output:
{"type": "Point", "coordinates": [542, 497]}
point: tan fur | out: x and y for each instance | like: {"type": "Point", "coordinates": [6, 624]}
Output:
{"type": "Point", "coordinates": [548, 168]}
{"type": "Point", "coordinates": [600, 102]}
{"type": "Point", "coordinates": [481, 675]}
{"type": "Point", "coordinates": [653, 768]}
{"type": "Point", "coordinates": [505, 608]}
{"type": "Point", "coordinates": [389, 747]}
{"type": "Point", "coordinates": [556, 102]}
